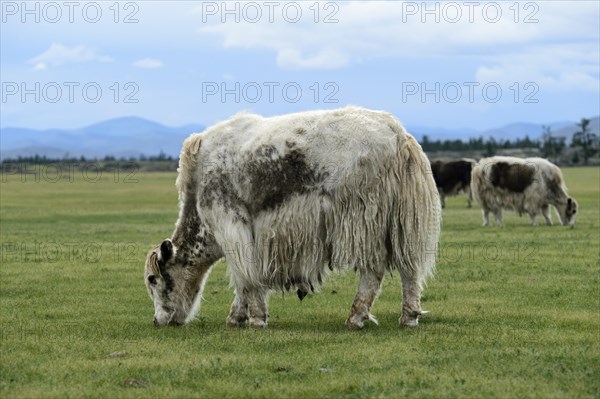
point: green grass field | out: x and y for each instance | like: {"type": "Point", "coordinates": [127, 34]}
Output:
{"type": "Point", "coordinates": [514, 311]}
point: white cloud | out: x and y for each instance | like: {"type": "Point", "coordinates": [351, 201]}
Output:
{"type": "Point", "coordinates": [551, 67]}
{"type": "Point", "coordinates": [58, 54]}
{"type": "Point", "coordinates": [368, 30]}
{"type": "Point", "coordinates": [148, 63]}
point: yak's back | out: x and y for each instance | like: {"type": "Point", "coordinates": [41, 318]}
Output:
{"type": "Point", "coordinates": [351, 131]}
{"type": "Point", "coordinates": [516, 174]}
{"type": "Point", "coordinates": [296, 153]}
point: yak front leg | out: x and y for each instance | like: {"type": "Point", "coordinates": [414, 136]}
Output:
{"type": "Point", "coordinates": [238, 315]}
{"type": "Point", "coordinates": [238, 252]}
{"type": "Point", "coordinates": [533, 216]}
{"type": "Point", "coordinates": [546, 214]}
{"type": "Point", "coordinates": [258, 307]}
{"type": "Point", "coordinates": [250, 304]}
{"type": "Point", "coordinates": [368, 290]}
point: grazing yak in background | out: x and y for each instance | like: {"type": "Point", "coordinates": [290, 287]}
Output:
{"type": "Point", "coordinates": [287, 198]}
{"type": "Point", "coordinates": [527, 185]}
{"type": "Point", "coordinates": [453, 177]}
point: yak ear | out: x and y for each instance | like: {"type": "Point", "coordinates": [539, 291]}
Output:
{"type": "Point", "coordinates": [166, 250]}
{"type": "Point", "coordinates": [153, 266]}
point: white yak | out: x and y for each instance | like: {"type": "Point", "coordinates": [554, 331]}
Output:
{"type": "Point", "coordinates": [285, 199]}
{"type": "Point", "coordinates": [526, 185]}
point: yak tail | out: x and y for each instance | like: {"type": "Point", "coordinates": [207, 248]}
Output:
{"type": "Point", "coordinates": [416, 227]}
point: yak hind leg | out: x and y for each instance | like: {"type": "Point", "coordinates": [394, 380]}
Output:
{"type": "Point", "coordinates": [368, 290]}
{"type": "Point", "coordinates": [412, 285]}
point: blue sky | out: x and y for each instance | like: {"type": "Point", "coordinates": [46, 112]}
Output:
{"type": "Point", "coordinates": [470, 65]}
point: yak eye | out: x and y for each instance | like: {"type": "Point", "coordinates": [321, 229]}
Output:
{"type": "Point", "coordinates": [152, 279]}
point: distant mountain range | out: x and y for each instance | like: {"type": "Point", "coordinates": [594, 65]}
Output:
{"type": "Point", "coordinates": [121, 137]}
{"type": "Point", "coordinates": [132, 136]}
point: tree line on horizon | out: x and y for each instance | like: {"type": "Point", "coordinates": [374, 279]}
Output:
{"type": "Point", "coordinates": [43, 159]}
{"type": "Point", "coordinates": [584, 145]}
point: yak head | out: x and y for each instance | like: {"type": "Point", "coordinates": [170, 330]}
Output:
{"type": "Point", "coordinates": [174, 284]}
{"type": "Point", "coordinates": [567, 212]}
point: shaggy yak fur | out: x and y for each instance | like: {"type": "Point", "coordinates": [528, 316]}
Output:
{"type": "Point", "coordinates": [528, 185]}
{"type": "Point", "coordinates": [286, 199]}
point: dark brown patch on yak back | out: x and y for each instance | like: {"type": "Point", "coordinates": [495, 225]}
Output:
{"type": "Point", "coordinates": [266, 151]}
{"type": "Point", "coordinates": [272, 181]}
{"type": "Point", "coordinates": [273, 177]}
{"type": "Point", "coordinates": [220, 188]}
{"type": "Point", "coordinates": [300, 130]}
{"type": "Point", "coordinates": [511, 177]}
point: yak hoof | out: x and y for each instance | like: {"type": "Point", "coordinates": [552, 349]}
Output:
{"type": "Point", "coordinates": [357, 322]}
{"type": "Point", "coordinates": [235, 323]}
{"type": "Point", "coordinates": [354, 325]}
{"type": "Point", "coordinates": [258, 324]}
{"type": "Point", "coordinates": [409, 321]}
{"type": "Point", "coordinates": [412, 319]}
